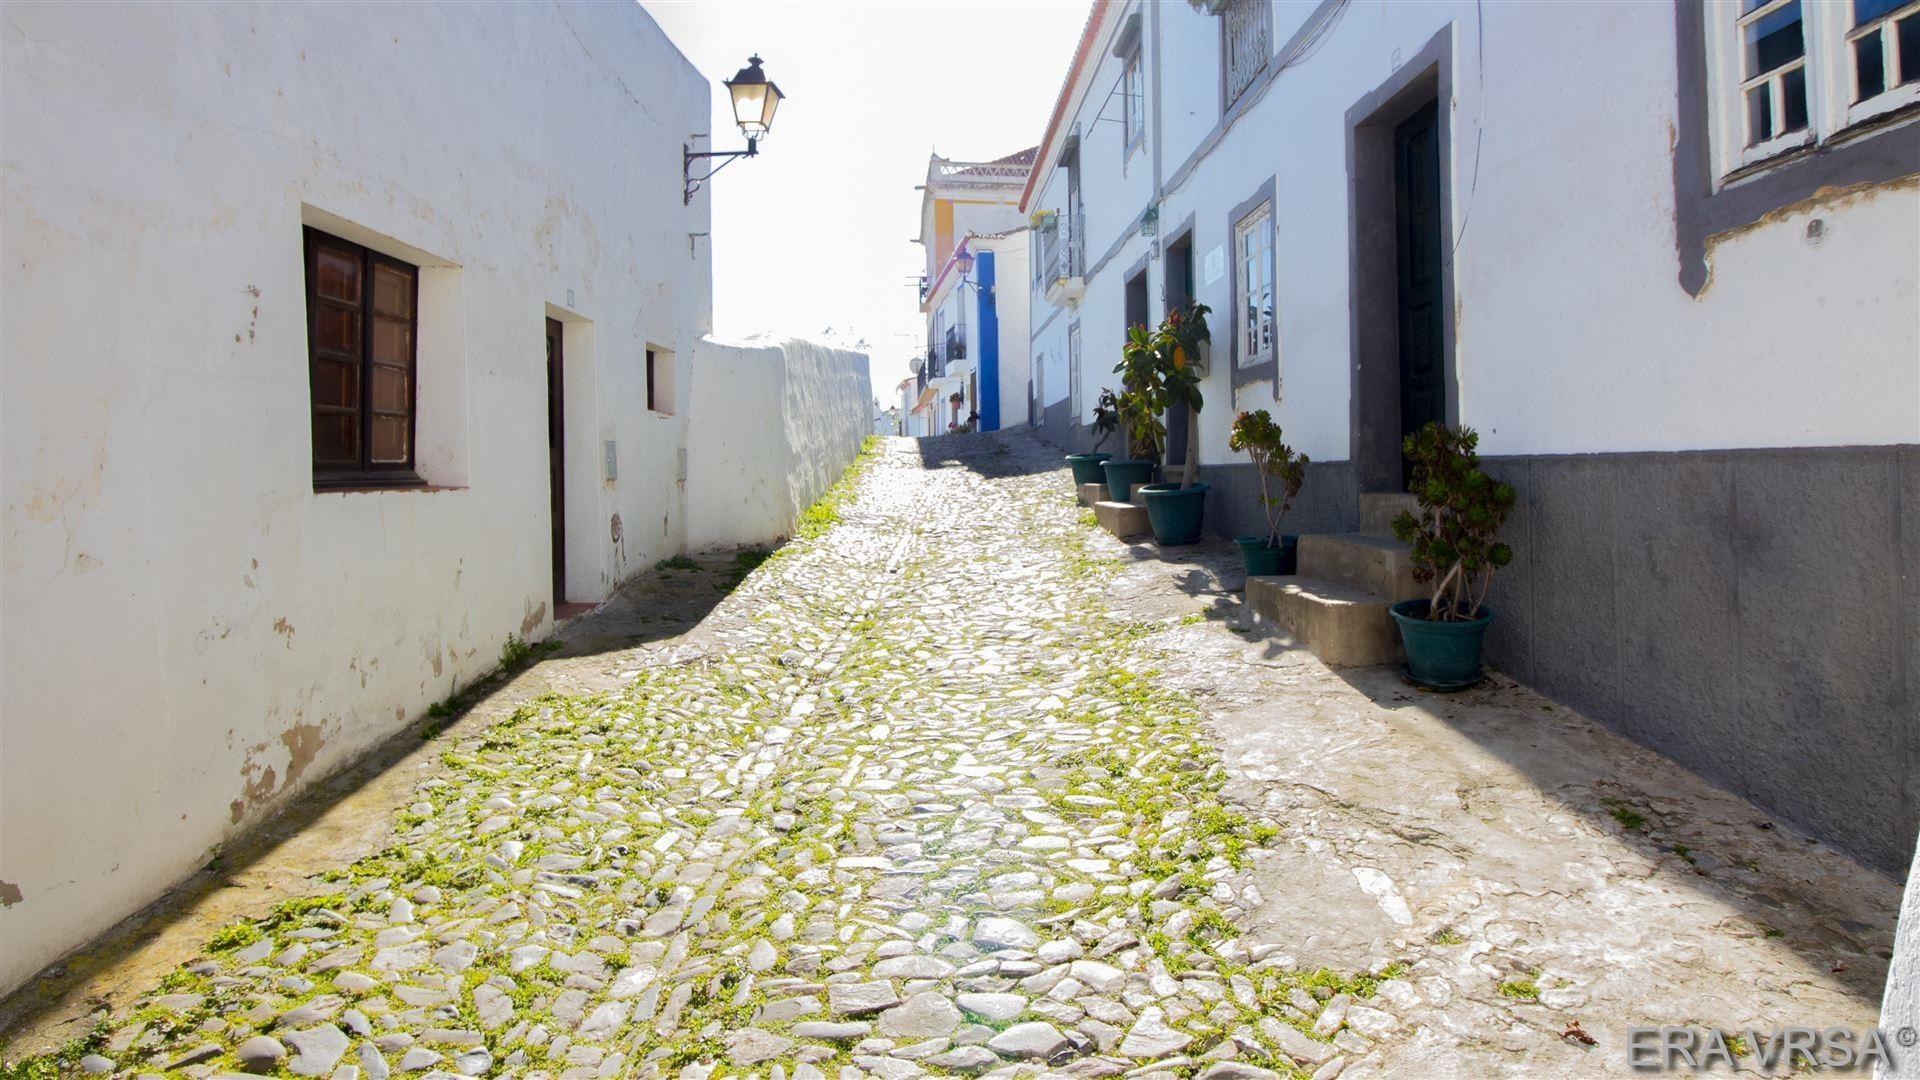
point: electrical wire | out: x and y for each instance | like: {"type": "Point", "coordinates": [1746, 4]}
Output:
{"type": "Point", "coordinates": [1479, 128]}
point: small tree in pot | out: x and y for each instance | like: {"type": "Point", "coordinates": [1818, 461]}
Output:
{"type": "Point", "coordinates": [1106, 419]}
{"type": "Point", "coordinates": [1282, 472]}
{"type": "Point", "coordinates": [1141, 399]}
{"type": "Point", "coordinates": [1455, 551]}
{"type": "Point", "coordinates": [1177, 511]}
{"type": "Point", "coordinates": [1178, 344]}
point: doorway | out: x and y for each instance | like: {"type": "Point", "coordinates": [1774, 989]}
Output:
{"type": "Point", "coordinates": [1178, 269]}
{"type": "Point", "coordinates": [1416, 196]}
{"type": "Point", "coordinates": [1401, 323]}
{"type": "Point", "coordinates": [556, 457]}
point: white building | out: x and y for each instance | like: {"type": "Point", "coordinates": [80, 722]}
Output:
{"type": "Point", "coordinates": [1671, 281]}
{"type": "Point", "coordinates": [974, 295]}
{"type": "Point", "coordinates": [342, 343]}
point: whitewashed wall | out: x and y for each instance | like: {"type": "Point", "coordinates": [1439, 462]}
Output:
{"type": "Point", "coordinates": [1573, 333]}
{"type": "Point", "coordinates": [191, 633]}
{"type": "Point", "coordinates": [1900, 1005]}
{"type": "Point", "coordinates": [774, 425]}
{"type": "Point", "coordinates": [1012, 304]}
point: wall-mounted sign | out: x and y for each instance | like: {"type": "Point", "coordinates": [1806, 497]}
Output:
{"type": "Point", "coordinates": [1216, 263]}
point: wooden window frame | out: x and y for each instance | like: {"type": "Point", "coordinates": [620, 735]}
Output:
{"type": "Point", "coordinates": [368, 473]}
{"type": "Point", "coordinates": [1902, 86]}
{"type": "Point", "coordinates": [1073, 373]}
{"type": "Point", "coordinates": [1832, 83]}
{"type": "Point", "coordinates": [1250, 350]}
{"type": "Point", "coordinates": [1133, 105]}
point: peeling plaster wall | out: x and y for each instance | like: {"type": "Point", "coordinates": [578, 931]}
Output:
{"type": "Point", "coordinates": [190, 633]}
{"type": "Point", "coordinates": [777, 425]}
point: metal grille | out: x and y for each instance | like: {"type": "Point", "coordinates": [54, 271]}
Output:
{"type": "Point", "coordinates": [1246, 31]}
{"type": "Point", "coordinates": [1064, 255]}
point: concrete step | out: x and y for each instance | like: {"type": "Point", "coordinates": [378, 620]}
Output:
{"type": "Point", "coordinates": [1124, 520]}
{"type": "Point", "coordinates": [1343, 626]}
{"type": "Point", "coordinates": [1374, 564]}
{"type": "Point", "coordinates": [1093, 493]}
{"type": "Point", "coordinates": [1379, 508]}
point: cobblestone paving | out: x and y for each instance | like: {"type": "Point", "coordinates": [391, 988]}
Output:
{"type": "Point", "coordinates": [912, 821]}
{"type": "Point", "coordinates": [921, 805]}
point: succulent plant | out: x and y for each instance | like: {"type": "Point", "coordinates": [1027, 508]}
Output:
{"type": "Point", "coordinates": [1461, 511]}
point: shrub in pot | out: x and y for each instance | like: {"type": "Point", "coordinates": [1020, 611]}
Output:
{"type": "Point", "coordinates": [1282, 472]}
{"type": "Point", "coordinates": [1177, 511]}
{"type": "Point", "coordinates": [1139, 404]}
{"type": "Point", "coordinates": [1454, 551]}
{"type": "Point", "coordinates": [1086, 467]}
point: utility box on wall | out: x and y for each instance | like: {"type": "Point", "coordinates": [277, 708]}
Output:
{"type": "Point", "coordinates": [610, 455]}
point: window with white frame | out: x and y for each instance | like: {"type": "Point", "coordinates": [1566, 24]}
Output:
{"type": "Point", "coordinates": [1134, 88]}
{"type": "Point", "coordinates": [1884, 47]}
{"type": "Point", "coordinates": [1073, 372]}
{"type": "Point", "coordinates": [1244, 24]}
{"type": "Point", "coordinates": [1791, 73]}
{"type": "Point", "coordinates": [1253, 303]}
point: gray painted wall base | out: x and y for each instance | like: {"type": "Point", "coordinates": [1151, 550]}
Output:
{"type": "Point", "coordinates": [1753, 614]}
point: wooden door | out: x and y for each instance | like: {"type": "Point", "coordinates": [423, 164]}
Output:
{"type": "Point", "coordinates": [556, 455]}
{"type": "Point", "coordinates": [1416, 182]}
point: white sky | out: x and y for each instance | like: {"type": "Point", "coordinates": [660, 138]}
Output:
{"type": "Point", "coordinates": [814, 238]}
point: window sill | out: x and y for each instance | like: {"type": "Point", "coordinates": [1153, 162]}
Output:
{"type": "Point", "coordinates": [1862, 128]}
{"type": "Point", "coordinates": [363, 485]}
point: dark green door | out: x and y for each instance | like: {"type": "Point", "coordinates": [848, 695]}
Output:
{"type": "Point", "coordinates": [1416, 181]}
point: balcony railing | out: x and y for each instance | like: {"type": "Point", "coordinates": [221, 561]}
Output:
{"type": "Point", "coordinates": [1063, 259]}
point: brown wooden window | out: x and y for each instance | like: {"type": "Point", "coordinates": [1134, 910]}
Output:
{"type": "Point", "coordinates": [362, 325]}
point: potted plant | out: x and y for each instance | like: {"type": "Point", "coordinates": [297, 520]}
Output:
{"type": "Point", "coordinates": [1281, 472]}
{"type": "Point", "coordinates": [1454, 550]}
{"type": "Point", "coordinates": [1106, 418]}
{"type": "Point", "coordinates": [1139, 404]}
{"type": "Point", "coordinates": [1177, 511]}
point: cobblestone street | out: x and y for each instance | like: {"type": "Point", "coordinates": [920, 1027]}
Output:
{"type": "Point", "coordinates": [963, 785]}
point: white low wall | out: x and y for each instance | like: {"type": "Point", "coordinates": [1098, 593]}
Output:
{"type": "Point", "coordinates": [1900, 1007]}
{"type": "Point", "coordinates": [773, 425]}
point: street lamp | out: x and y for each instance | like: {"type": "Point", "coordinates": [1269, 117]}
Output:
{"type": "Point", "coordinates": [963, 262]}
{"type": "Point", "coordinates": [755, 98]}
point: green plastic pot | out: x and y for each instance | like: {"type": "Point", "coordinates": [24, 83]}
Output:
{"type": "Point", "coordinates": [1261, 559]}
{"type": "Point", "coordinates": [1440, 655]}
{"type": "Point", "coordinates": [1175, 512]}
{"type": "Point", "coordinates": [1086, 468]}
{"type": "Point", "coordinates": [1122, 475]}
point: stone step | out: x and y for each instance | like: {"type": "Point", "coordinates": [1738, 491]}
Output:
{"type": "Point", "coordinates": [1374, 564]}
{"type": "Point", "coordinates": [1343, 626]}
{"type": "Point", "coordinates": [1379, 508]}
{"type": "Point", "coordinates": [1124, 520]}
{"type": "Point", "coordinates": [1093, 493]}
